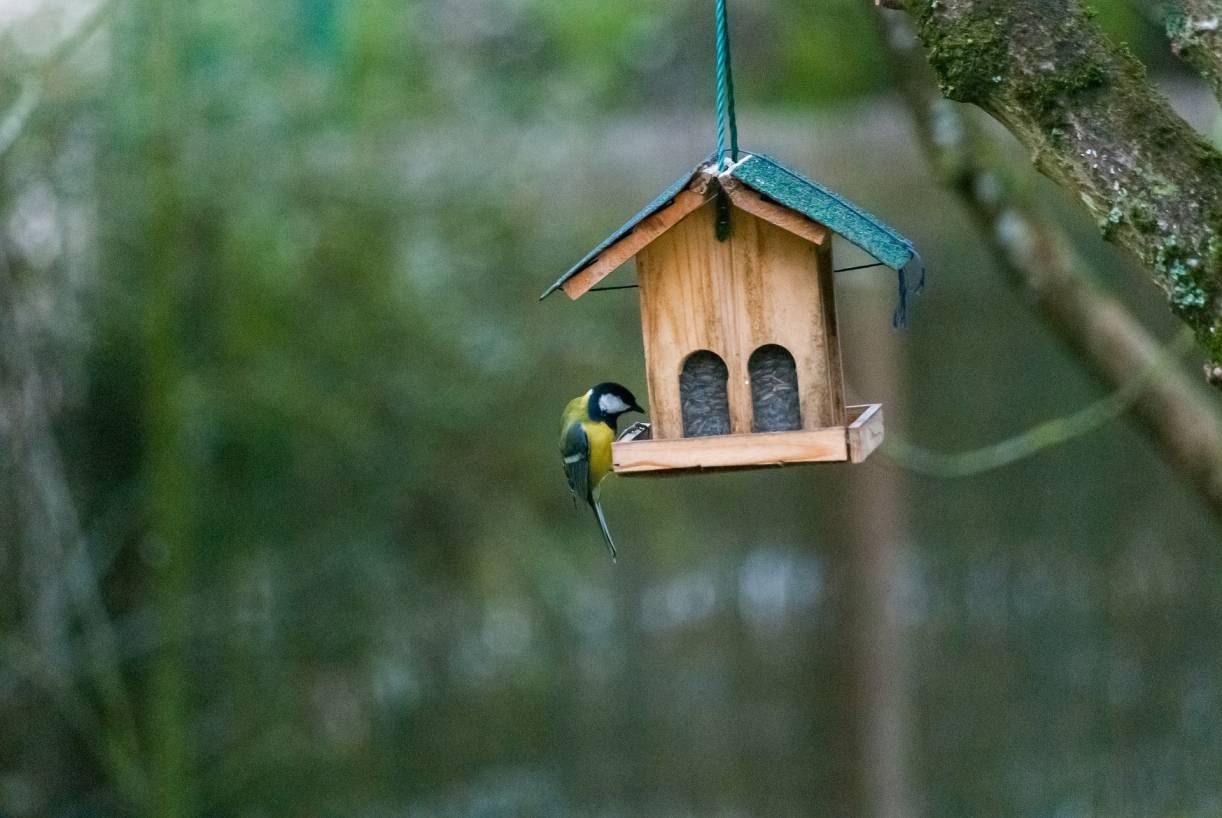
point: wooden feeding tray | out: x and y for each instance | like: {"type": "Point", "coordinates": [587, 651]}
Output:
{"type": "Point", "coordinates": [851, 443]}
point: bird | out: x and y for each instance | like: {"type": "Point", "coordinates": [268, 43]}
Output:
{"type": "Point", "coordinates": [587, 429]}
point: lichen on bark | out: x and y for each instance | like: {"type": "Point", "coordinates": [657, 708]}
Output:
{"type": "Point", "coordinates": [969, 57]}
{"type": "Point", "coordinates": [1084, 107]}
{"type": "Point", "coordinates": [1194, 28]}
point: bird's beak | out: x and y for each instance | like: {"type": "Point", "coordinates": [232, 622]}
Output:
{"type": "Point", "coordinates": [635, 408]}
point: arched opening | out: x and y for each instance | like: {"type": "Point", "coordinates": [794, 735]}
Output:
{"type": "Point", "coordinates": [774, 390]}
{"type": "Point", "coordinates": [702, 395]}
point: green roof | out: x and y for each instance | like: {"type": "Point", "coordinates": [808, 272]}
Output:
{"type": "Point", "coordinates": [772, 180]}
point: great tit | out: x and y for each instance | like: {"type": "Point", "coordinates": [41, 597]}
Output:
{"type": "Point", "coordinates": [586, 432]}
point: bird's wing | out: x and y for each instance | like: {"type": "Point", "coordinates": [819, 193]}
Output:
{"type": "Point", "coordinates": [575, 449]}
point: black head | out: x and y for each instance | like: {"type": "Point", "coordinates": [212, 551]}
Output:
{"type": "Point", "coordinates": [610, 400]}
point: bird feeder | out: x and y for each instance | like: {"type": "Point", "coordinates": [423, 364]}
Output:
{"type": "Point", "coordinates": [738, 312]}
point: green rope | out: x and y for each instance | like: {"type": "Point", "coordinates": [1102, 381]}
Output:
{"type": "Point", "coordinates": [725, 91]}
{"type": "Point", "coordinates": [1042, 436]}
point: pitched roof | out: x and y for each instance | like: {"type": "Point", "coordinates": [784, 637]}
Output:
{"type": "Point", "coordinates": [772, 180]}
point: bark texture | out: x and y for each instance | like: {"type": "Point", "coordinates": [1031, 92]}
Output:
{"type": "Point", "coordinates": [1095, 125]}
{"type": "Point", "coordinates": [1039, 261]}
{"type": "Point", "coordinates": [1192, 27]}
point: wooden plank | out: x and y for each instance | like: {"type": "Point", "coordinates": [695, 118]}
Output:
{"type": "Point", "coordinates": [865, 431]}
{"type": "Point", "coordinates": [852, 443]}
{"type": "Point", "coordinates": [730, 451]}
{"type": "Point", "coordinates": [859, 414]}
{"type": "Point", "coordinates": [831, 332]}
{"type": "Point", "coordinates": [747, 199]}
{"type": "Point", "coordinates": [645, 232]}
{"type": "Point", "coordinates": [786, 305]}
{"type": "Point", "coordinates": [688, 303]}
{"type": "Point", "coordinates": [763, 286]}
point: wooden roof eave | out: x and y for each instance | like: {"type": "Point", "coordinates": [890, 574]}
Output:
{"type": "Point", "coordinates": [685, 202]}
{"type": "Point", "coordinates": [744, 198]}
{"type": "Point", "coordinates": [645, 231]}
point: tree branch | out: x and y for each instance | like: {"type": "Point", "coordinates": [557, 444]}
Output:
{"type": "Point", "coordinates": [15, 119]}
{"type": "Point", "coordinates": [1192, 27]}
{"type": "Point", "coordinates": [1040, 263]}
{"type": "Point", "coordinates": [111, 751]}
{"type": "Point", "coordinates": [48, 528]}
{"type": "Point", "coordinates": [1094, 124]}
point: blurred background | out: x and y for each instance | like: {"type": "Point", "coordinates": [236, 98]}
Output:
{"type": "Point", "coordinates": [283, 529]}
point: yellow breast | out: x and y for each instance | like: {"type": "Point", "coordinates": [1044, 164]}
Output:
{"type": "Point", "coordinates": [600, 436]}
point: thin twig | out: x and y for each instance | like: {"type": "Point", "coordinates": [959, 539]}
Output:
{"type": "Point", "coordinates": [19, 112]}
{"type": "Point", "coordinates": [13, 123]}
{"type": "Point", "coordinates": [1043, 436]}
{"type": "Point", "coordinates": [51, 516]}
{"type": "Point", "coordinates": [34, 668]}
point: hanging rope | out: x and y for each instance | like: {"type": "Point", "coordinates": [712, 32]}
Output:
{"type": "Point", "coordinates": [725, 92]}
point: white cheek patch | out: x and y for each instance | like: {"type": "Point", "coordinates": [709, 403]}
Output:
{"type": "Point", "coordinates": [611, 404]}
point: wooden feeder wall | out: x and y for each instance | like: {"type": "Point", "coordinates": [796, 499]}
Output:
{"type": "Point", "coordinates": [748, 300]}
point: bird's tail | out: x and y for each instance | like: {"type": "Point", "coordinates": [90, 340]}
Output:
{"type": "Point", "coordinates": [602, 525]}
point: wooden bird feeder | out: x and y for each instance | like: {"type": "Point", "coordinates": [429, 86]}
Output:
{"type": "Point", "coordinates": [742, 354]}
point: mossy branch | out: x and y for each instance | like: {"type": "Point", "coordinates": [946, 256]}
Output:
{"type": "Point", "coordinates": [1193, 28]}
{"type": "Point", "coordinates": [1095, 125]}
{"type": "Point", "coordinates": [1040, 263]}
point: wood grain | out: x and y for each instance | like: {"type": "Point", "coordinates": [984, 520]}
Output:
{"type": "Point", "coordinates": [865, 431]}
{"type": "Point", "coordinates": [831, 330]}
{"type": "Point", "coordinates": [747, 199]}
{"type": "Point", "coordinates": [730, 451]}
{"type": "Point", "coordinates": [835, 444]}
{"type": "Point", "coordinates": [764, 285]}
